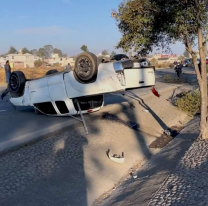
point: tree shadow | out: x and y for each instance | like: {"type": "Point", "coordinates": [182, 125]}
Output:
{"type": "Point", "coordinates": [49, 171]}
{"type": "Point", "coordinates": [154, 175]}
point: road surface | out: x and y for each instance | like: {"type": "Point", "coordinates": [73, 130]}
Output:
{"type": "Point", "coordinates": [21, 122]}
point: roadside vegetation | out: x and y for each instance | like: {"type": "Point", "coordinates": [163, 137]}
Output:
{"type": "Point", "coordinates": [189, 102]}
{"type": "Point", "coordinates": [172, 78]}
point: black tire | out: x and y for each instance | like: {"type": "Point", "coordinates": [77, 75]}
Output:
{"type": "Point", "coordinates": [17, 83]}
{"type": "Point", "coordinates": [86, 67]}
{"type": "Point", "coordinates": [53, 71]}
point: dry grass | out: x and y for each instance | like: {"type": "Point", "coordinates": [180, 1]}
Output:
{"type": "Point", "coordinates": [30, 73]}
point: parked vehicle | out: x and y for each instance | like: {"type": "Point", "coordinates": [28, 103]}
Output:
{"type": "Point", "coordinates": [144, 62]}
{"type": "Point", "coordinates": [69, 92]}
{"type": "Point", "coordinates": [187, 62]}
{"type": "Point", "coordinates": [119, 57]}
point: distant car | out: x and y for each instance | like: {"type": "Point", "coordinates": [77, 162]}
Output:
{"type": "Point", "coordinates": [68, 93]}
{"type": "Point", "coordinates": [198, 61]}
{"type": "Point", "coordinates": [119, 57]}
{"type": "Point", "coordinates": [144, 62]}
{"type": "Point", "coordinates": [186, 62]}
{"type": "Point", "coordinates": [206, 60]}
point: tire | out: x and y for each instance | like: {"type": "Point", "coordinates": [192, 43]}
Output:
{"type": "Point", "coordinates": [86, 67]}
{"type": "Point", "coordinates": [53, 71]}
{"type": "Point", "coordinates": [17, 83]}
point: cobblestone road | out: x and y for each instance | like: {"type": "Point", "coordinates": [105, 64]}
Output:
{"type": "Point", "coordinates": [22, 168]}
{"type": "Point", "coordinates": [188, 183]}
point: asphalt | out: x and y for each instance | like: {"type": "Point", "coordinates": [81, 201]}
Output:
{"type": "Point", "coordinates": [20, 125]}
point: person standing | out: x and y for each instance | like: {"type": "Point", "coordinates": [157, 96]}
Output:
{"type": "Point", "coordinates": [178, 69]}
{"type": "Point", "coordinates": [68, 67]}
{"type": "Point", "coordinates": [7, 74]}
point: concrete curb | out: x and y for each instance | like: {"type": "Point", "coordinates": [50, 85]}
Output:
{"type": "Point", "coordinates": [33, 136]}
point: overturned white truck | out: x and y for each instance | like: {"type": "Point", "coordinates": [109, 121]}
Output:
{"type": "Point", "coordinates": [69, 93]}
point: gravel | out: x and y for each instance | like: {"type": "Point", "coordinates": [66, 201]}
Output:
{"type": "Point", "coordinates": [188, 183]}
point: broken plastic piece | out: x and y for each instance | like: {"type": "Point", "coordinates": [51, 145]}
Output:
{"type": "Point", "coordinates": [155, 92]}
{"type": "Point", "coordinates": [116, 158]}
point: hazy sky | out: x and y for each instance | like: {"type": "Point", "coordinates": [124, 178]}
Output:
{"type": "Point", "coordinates": [65, 24]}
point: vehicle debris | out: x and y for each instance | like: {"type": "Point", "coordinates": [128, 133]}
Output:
{"type": "Point", "coordinates": [116, 158]}
{"type": "Point", "coordinates": [155, 92]}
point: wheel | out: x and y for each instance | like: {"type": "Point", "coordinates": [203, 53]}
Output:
{"type": "Point", "coordinates": [53, 71]}
{"type": "Point", "coordinates": [17, 83]}
{"type": "Point", "coordinates": [86, 67]}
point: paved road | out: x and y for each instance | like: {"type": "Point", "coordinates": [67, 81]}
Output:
{"type": "Point", "coordinates": [21, 121]}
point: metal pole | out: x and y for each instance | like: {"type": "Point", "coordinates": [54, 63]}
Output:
{"type": "Point", "coordinates": [83, 120]}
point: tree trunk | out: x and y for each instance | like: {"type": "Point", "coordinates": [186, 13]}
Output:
{"type": "Point", "coordinates": [203, 86]}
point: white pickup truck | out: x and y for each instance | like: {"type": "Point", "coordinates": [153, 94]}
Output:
{"type": "Point", "coordinates": [58, 93]}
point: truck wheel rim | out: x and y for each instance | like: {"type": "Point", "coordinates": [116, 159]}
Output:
{"type": "Point", "coordinates": [84, 67]}
{"type": "Point", "coordinates": [14, 82]}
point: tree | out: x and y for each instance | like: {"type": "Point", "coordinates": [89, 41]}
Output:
{"type": "Point", "coordinates": [84, 48]}
{"type": "Point", "coordinates": [25, 50]}
{"type": "Point", "coordinates": [145, 24]}
{"type": "Point", "coordinates": [58, 51]}
{"type": "Point", "coordinates": [186, 54]}
{"type": "Point", "coordinates": [113, 53]}
{"type": "Point", "coordinates": [105, 52]}
{"type": "Point", "coordinates": [12, 50]}
{"type": "Point", "coordinates": [41, 53]}
{"type": "Point", "coordinates": [38, 63]}
{"type": "Point", "coordinates": [33, 51]}
{"type": "Point", "coordinates": [48, 51]}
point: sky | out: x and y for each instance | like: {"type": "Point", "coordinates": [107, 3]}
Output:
{"type": "Point", "coordinates": [65, 24]}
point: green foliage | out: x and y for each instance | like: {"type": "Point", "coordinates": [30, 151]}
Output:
{"type": "Point", "coordinates": [189, 102]}
{"type": "Point", "coordinates": [145, 24]}
{"type": "Point", "coordinates": [168, 78]}
{"type": "Point", "coordinates": [33, 51]}
{"type": "Point", "coordinates": [58, 51]}
{"type": "Point", "coordinates": [105, 52]}
{"type": "Point", "coordinates": [25, 50]}
{"type": "Point", "coordinates": [12, 50]}
{"type": "Point", "coordinates": [38, 63]}
{"type": "Point", "coordinates": [84, 48]}
{"type": "Point", "coordinates": [41, 53]}
{"type": "Point", "coordinates": [48, 49]}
